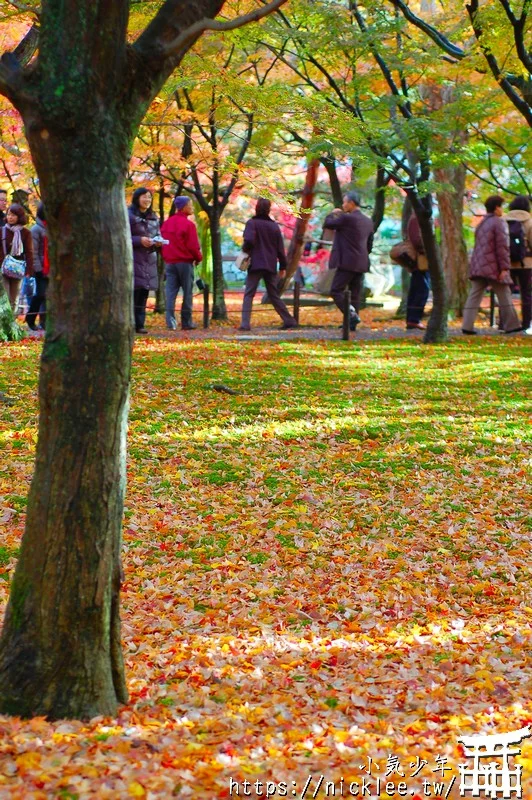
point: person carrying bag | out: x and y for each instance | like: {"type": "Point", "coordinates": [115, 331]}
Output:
{"type": "Point", "coordinates": [17, 252]}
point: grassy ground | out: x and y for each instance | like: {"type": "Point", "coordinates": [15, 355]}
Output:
{"type": "Point", "coordinates": [332, 564]}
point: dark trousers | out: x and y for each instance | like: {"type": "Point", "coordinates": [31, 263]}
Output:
{"type": "Point", "coordinates": [418, 294]}
{"type": "Point", "coordinates": [270, 281]}
{"type": "Point", "coordinates": [38, 301]}
{"type": "Point", "coordinates": [179, 276]}
{"type": "Point", "coordinates": [140, 298]}
{"type": "Point", "coordinates": [523, 279]}
{"type": "Point", "coordinates": [342, 280]}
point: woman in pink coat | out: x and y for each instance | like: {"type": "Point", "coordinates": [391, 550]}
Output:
{"type": "Point", "coordinates": [490, 266]}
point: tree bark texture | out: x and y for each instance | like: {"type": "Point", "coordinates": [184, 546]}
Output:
{"type": "Point", "coordinates": [454, 249]}
{"type": "Point", "coordinates": [60, 653]}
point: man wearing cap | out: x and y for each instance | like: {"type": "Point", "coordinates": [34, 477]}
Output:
{"type": "Point", "coordinates": [180, 255]}
{"type": "Point", "coordinates": [353, 242]}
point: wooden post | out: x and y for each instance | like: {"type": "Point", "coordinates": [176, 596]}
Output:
{"type": "Point", "coordinates": [347, 315]}
{"type": "Point", "coordinates": [297, 298]}
{"type": "Point", "coordinates": [206, 305]}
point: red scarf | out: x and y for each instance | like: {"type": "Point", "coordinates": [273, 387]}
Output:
{"type": "Point", "coordinates": [45, 259]}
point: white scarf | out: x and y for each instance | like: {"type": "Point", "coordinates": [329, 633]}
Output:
{"type": "Point", "coordinates": [17, 247]}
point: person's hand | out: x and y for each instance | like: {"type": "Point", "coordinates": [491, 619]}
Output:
{"type": "Point", "coordinates": [504, 273]}
{"type": "Point", "coordinates": [146, 242]}
{"type": "Point", "coordinates": [282, 274]}
{"type": "Point", "coordinates": [338, 211]}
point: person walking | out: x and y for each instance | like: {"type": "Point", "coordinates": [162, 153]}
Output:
{"type": "Point", "coordinates": [263, 240]}
{"type": "Point", "coordinates": [418, 293]}
{"type": "Point", "coordinates": [144, 225]}
{"type": "Point", "coordinates": [519, 222]}
{"type": "Point", "coordinates": [180, 256]}
{"type": "Point", "coordinates": [353, 242]}
{"type": "Point", "coordinates": [17, 243]}
{"type": "Point", "coordinates": [41, 266]}
{"type": "Point", "coordinates": [490, 266]}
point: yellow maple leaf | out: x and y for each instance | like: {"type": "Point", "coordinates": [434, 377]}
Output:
{"type": "Point", "coordinates": [136, 789]}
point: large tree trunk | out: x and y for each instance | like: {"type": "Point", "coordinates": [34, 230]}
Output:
{"type": "Point", "coordinates": [454, 249]}
{"type": "Point", "coordinates": [437, 324]}
{"type": "Point", "coordinates": [219, 309]}
{"type": "Point", "coordinates": [60, 652]}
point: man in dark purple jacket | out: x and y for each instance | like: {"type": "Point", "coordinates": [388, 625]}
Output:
{"type": "Point", "coordinates": [264, 242]}
{"type": "Point", "coordinates": [353, 242]}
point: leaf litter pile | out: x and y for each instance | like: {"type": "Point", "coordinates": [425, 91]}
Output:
{"type": "Point", "coordinates": [327, 572]}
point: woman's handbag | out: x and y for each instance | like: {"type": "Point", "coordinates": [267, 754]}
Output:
{"type": "Point", "coordinates": [12, 267]}
{"type": "Point", "coordinates": [242, 261]}
{"type": "Point", "coordinates": [404, 253]}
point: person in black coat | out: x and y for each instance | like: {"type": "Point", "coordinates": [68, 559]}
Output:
{"type": "Point", "coordinates": [145, 228]}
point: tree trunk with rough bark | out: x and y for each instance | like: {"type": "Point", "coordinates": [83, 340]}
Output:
{"type": "Point", "coordinates": [454, 249]}
{"type": "Point", "coordinates": [60, 652]}
{"type": "Point", "coordinates": [82, 101]}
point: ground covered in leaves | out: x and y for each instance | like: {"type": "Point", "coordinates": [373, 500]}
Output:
{"type": "Point", "coordinates": [327, 573]}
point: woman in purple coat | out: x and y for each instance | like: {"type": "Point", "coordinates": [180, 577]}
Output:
{"type": "Point", "coordinates": [264, 242]}
{"type": "Point", "coordinates": [490, 266]}
{"type": "Point", "coordinates": [144, 225]}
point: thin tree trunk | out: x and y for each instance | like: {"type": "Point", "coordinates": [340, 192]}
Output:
{"type": "Point", "coordinates": [219, 308]}
{"type": "Point", "coordinates": [437, 324]}
{"type": "Point", "coordinates": [329, 162]}
{"type": "Point", "coordinates": [454, 249]}
{"type": "Point", "coordinates": [405, 275]}
{"type": "Point", "coordinates": [381, 181]}
{"type": "Point", "coordinates": [297, 242]}
{"type": "Point", "coordinates": [160, 299]}
{"type": "Point", "coordinates": [60, 652]}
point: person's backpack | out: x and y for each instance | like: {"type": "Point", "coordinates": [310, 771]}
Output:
{"type": "Point", "coordinates": [518, 248]}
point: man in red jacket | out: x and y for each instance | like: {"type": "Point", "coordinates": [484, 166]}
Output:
{"type": "Point", "coordinates": [180, 255]}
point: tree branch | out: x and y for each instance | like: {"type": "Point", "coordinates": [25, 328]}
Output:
{"type": "Point", "coordinates": [190, 34]}
{"type": "Point", "coordinates": [442, 41]}
{"type": "Point", "coordinates": [502, 80]}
